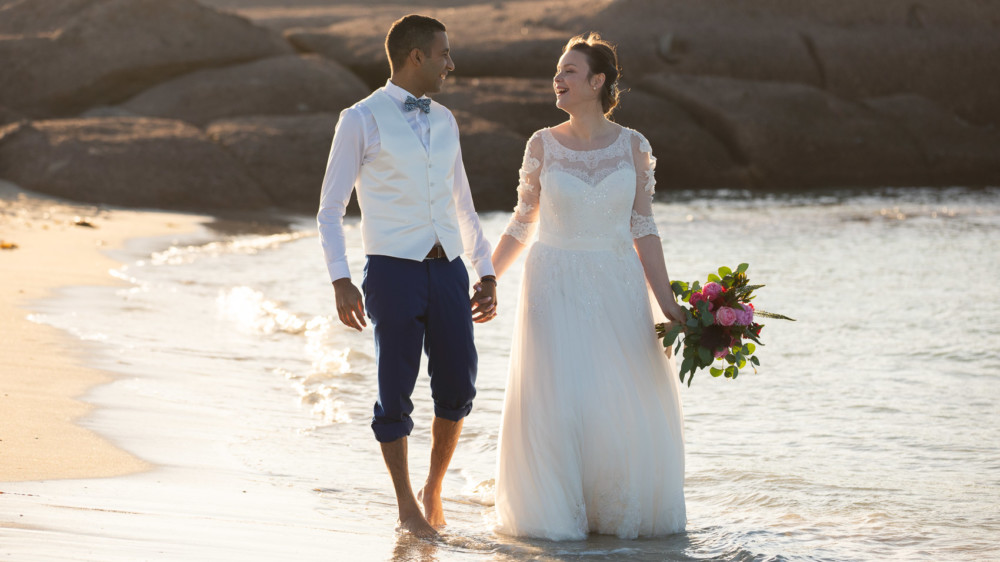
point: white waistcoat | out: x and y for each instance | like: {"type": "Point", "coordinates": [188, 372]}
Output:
{"type": "Point", "coordinates": [405, 193]}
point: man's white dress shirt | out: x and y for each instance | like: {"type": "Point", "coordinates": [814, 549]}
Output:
{"type": "Point", "coordinates": [356, 144]}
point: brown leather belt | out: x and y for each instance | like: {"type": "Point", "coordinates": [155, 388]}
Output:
{"type": "Point", "coordinates": [436, 252]}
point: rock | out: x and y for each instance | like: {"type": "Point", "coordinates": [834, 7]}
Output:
{"type": "Point", "coordinates": [855, 49]}
{"type": "Point", "coordinates": [701, 38]}
{"type": "Point", "coordinates": [957, 153]}
{"type": "Point", "coordinates": [516, 39]}
{"type": "Point", "coordinates": [523, 105]}
{"type": "Point", "coordinates": [286, 155]}
{"type": "Point", "coordinates": [492, 155]}
{"type": "Point", "coordinates": [291, 84]}
{"type": "Point", "coordinates": [8, 115]}
{"type": "Point", "coordinates": [688, 156]}
{"type": "Point", "coordinates": [793, 136]}
{"type": "Point", "coordinates": [68, 55]}
{"type": "Point", "coordinates": [138, 162]}
{"type": "Point", "coordinates": [956, 68]}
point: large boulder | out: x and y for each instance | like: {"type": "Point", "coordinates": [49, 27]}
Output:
{"type": "Point", "coordinates": [286, 155]}
{"type": "Point", "coordinates": [688, 155]}
{"type": "Point", "coordinates": [138, 162]}
{"type": "Point", "coordinates": [793, 136]}
{"type": "Point", "coordinates": [523, 105]}
{"type": "Point", "coordinates": [62, 56]}
{"type": "Point", "coordinates": [958, 68]}
{"type": "Point", "coordinates": [956, 152]}
{"type": "Point", "coordinates": [290, 84]}
{"type": "Point", "coordinates": [946, 51]}
{"type": "Point", "coordinates": [492, 155]}
{"type": "Point", "coordinates": [518, 39]}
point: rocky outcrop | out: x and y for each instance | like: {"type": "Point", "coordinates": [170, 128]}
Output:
{"type": "Point", "coordinates": [770, 94]}
{"type": "Point", "coordinates": [945, 51]}
{"type": "Point", "coordinates": [285, 155]}
{"type": "Point", "coordinates": [510, 39]}
{"type": "Point", "coordinates": [794, 135]}
{"type": "Point", "coordinates": [956, 152]}
{"type": "Point", "coordinates": [523, 105]}
{"type": "Point", "coordinates": [63, 56]}
{"type": "Point", "coordinates": [286, 85]}
{"type": "Point", "coordinates": [688, 155]}
{"type": "Point", "coordinates": [492, 155]}
{"type": "Point", "coordinates": [133, 161]}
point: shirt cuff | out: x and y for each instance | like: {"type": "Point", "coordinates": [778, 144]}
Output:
{"type": "Point", "coordinates": [484, 268]}
{"type": "Point", "coordinates": [338, 270]}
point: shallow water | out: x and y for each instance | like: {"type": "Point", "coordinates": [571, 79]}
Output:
{"type": "Point", "coordinates": [870, 431]}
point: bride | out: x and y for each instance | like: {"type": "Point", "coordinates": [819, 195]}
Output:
{"type": "Point", "coordinates": [591, 438]}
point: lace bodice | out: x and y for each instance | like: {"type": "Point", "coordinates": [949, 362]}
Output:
{"type": "Point", "coordinates": [590, 199]}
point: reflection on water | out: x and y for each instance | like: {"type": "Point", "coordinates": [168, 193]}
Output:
{"type": "Point", "coordinates": [869, 432]}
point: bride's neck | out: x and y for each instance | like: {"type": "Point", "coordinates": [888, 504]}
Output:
{"type": "Point", "coordinates": [588, 125]}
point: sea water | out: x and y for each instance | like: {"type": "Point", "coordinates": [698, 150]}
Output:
{"type": "Point", "coordinates": [870, 431]}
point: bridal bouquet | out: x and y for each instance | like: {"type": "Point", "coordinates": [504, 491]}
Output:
{"type": "Point", "coordinates": [720, 324]}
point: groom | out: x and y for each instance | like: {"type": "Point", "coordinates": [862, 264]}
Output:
{"type": "Point", "coordinates": [400, 150]}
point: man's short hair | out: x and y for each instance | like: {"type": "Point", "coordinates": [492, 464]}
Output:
{"type": "Point", "coordinates": [408, 33]}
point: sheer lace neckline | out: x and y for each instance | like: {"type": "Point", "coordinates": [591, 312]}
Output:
{"type": "Point", "coordinates": [618, 137]}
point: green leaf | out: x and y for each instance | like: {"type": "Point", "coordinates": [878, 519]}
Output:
{"type": "Point", "coordinates": [671, 336]}
{"type": "Point", "coordinates": [776, 316]}
{"type": "Point", "coordinates": [724, 271]}
{"type": "Point", "coordinates": [714, 277]}
{"type": "Point", "coordinates": [716, 372]}
{"type": "Point", "coordinates": [692, 323]}
{"type": "Point", "coordinates": [741, 362]}
{"type": "Point", "coordinates": [750, 348]}
{"type": "Point", "coordinates": [743, 268]}
{"type": "Point", "coordinates": [736, 372]}
{"type": "Point", "coordinates": [707, 319]}
{"type": "Point", "coordinates": [754, 360]}
{"type": "Point", "coordinates": [679, 287]}
{"type": "Point", "coordinates": [729, 372]}
{"type": "Point", "coordinates": [704, 355]}
{"type": "Point", "coordinates": [687, 365]}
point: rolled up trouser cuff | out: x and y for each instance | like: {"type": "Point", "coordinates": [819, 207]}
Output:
{"type": "Point", "coordinates": [391, 431]}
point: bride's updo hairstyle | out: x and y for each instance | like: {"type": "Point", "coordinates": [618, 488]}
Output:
{"type": "Point", "coordinates": [603, 59]}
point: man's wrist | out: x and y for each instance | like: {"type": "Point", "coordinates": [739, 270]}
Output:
{"type": "Point", "coordinates": [488, 279]}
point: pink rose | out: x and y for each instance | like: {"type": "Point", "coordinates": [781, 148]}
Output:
{"type": "Point", "coordinates": [744, 316]}
{"type": "Point", "coordinates": [712, 290]}
{"type": "Point", "coordinates": [695, 298]}
{"type": "Point", "coordinates": [725, 316]}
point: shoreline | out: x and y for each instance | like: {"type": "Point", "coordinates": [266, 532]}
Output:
{"type": "Point", "coordinates": [46, 377]}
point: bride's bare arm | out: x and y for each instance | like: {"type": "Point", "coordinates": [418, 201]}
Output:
{"type": "Point", "coordinates": [523, 223]}
{"type": "Point", "coordinates": [645, 235]}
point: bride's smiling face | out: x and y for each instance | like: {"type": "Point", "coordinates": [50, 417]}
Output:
{"type": "Point", "coordinates": [573, 84]}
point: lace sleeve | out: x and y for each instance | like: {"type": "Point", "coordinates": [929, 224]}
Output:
{"type": "Point", "coordinates": [523, 223]}
{"type": "Point", "coordinates": [642, 207]}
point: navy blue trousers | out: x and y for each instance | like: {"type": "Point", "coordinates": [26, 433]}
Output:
{"type": "Point", "coordinates": [414, 305]}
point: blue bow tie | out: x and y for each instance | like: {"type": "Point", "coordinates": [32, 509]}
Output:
{"type": "Point", "coordinates": [412, 103]}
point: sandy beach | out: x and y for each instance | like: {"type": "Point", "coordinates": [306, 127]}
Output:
{"type": "Point", "coordinates": [49, 246]}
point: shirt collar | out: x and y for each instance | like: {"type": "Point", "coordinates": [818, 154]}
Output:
{"type": "Point", "coordinates": [397, 93]}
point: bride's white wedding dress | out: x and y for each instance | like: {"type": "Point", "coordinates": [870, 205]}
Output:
{"type": "Point", "coordinates": [591, 438]}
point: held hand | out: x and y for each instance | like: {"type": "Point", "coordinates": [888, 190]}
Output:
{"type": "Point", "coordinates": [484, 301]}
{"type": "Point", "coordinates": [675, 312]}
{"type": "Point", "coordinates": [350, 306]}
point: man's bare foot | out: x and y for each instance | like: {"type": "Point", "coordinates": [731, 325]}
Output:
{"type": "Point", "coordinates": [433, 510]}
{"type": "Point", "coordinates": [414, 523]}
